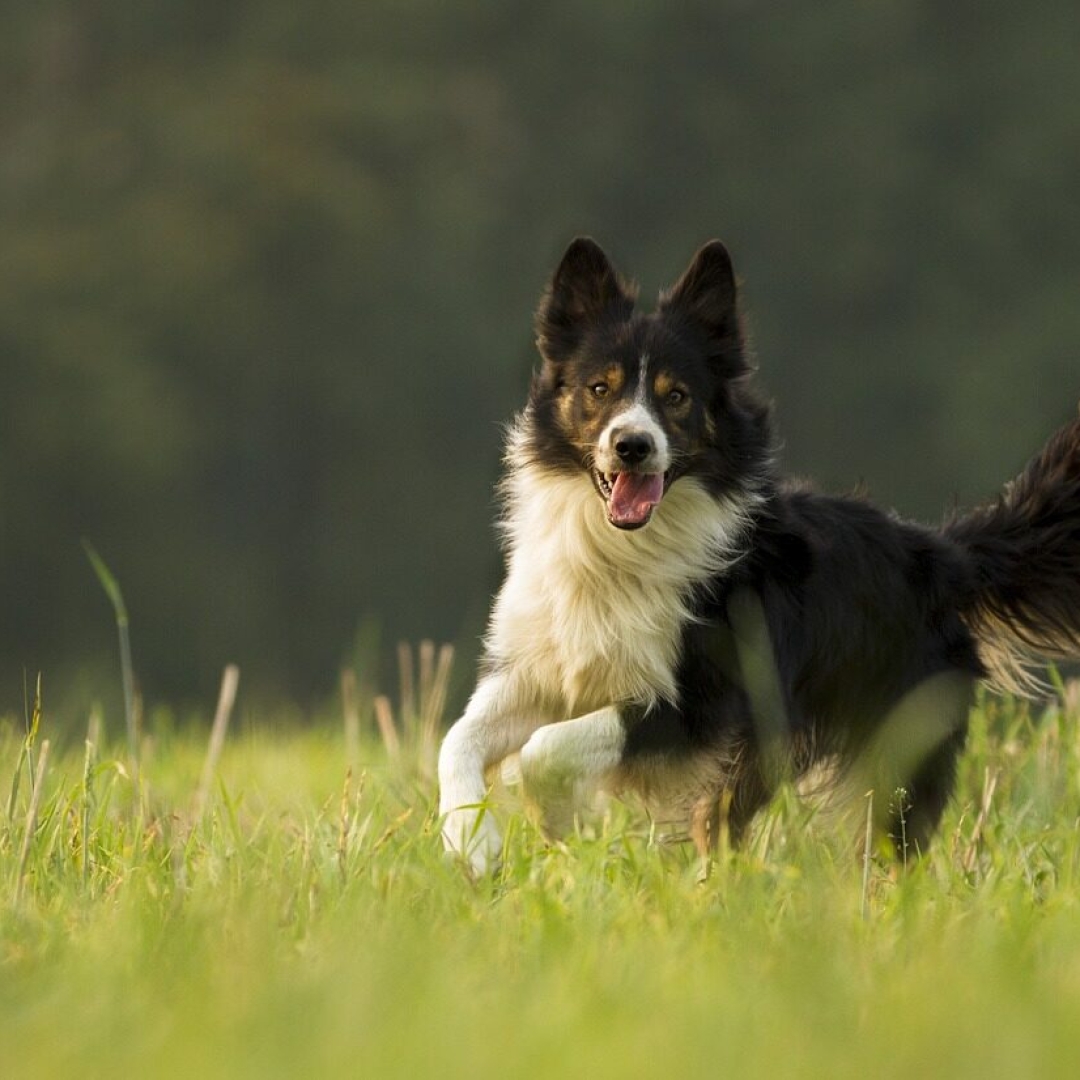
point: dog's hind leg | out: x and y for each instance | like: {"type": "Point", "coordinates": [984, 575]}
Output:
{"type": "Point", "coordinates": [911, 765]}
{"type": "Point", "coordinates": [727, 814]}
{"type": "Point", "coordinates": [563, 764]}
{"type": "Point", "coordinates": [917, 809]}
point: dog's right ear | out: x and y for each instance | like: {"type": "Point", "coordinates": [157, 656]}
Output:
{"type": "Point", "coordinates": [584, 290]}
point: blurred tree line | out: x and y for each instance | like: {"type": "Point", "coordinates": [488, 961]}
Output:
{"type": "Point", "coordinates": [267, 274]}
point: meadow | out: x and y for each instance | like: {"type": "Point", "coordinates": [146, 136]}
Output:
{"type": "Point", "coordinates": [274, 901]}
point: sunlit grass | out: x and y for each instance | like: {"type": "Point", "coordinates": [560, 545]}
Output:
{"type": "Point", "coordinates": [303, 921]}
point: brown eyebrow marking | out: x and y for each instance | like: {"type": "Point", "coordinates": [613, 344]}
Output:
{"type": "Point", "coordinates": [612, 375]}
{"type": "Point", "coordinates": [663, 384]}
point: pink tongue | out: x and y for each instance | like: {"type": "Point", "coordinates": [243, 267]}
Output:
{"type": "Point", "coordinates": [633, 496]}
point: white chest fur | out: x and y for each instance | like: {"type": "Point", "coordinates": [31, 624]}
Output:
{"type": "Point", "coordinates": [590, 615]}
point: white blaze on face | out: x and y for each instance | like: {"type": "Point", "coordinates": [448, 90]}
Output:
{"type": "Point", "coordinates": [634, 490]}
{"type": "Point", "coordinates": [637, 418]}
{"type": "Point", "coordinates": [641, 394]}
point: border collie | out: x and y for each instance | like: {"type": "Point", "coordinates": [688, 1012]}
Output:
{"type": "Point", "coordinates": [676, 621]}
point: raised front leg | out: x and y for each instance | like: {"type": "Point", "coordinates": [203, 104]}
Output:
{"type": "Point", "coordinates": [563, 764]}
{"type": "Point", "coordinates": [496, 723]}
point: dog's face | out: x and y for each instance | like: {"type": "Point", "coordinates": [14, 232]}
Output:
{"type": "Point", "coordinates": [639, 401]}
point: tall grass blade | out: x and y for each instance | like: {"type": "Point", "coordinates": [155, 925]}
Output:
{"type": "Point", "coordinates": [31, 820]}
{"type": "Point", "coordinates": [33, 724]}
{"type": "Point", "coordinates": [427, 673]}
{"type": "Point", "coordinates": [406, 671]}
{"type": "Point", "coordinates": [230, 680]}
{"type": "Point", "coordinates": [351, 713]}
{"type": "Point", "coordinates": [127, 674]}
{"type": "Point", "coordinates": [26, 751]}
{"type": "Point", "coordinates": [434, 707]}
{"type": "Point", "coordinates": [343, 829]}
{"type": "Point", "coordinates": [384, 717]}
{"type": "Point", "coordinates": [867, 851]}
{"type": "Point", "coordinates": [13, 793]}
{"type": "Point", "coordinates": [89, 761]}
{"type": "Point", "coordinates": [990, 782]}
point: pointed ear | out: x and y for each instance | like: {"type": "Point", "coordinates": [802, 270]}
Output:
{"type": "Point", "coordinates": [708, 296]}
{"type": "Point", "coordinates": [584, 290]}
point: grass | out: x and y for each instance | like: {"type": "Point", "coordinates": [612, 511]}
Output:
{"type": "Point", "coordinates": [293, 915]}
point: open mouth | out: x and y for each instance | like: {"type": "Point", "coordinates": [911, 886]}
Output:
{"type": "Point", "coordinates": [631, 497]}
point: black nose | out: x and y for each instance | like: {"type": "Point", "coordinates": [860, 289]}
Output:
{"type": "Point", "coordinates": [633, 447]}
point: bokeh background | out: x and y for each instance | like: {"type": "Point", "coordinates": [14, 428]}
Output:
{"type": "Point", "coordinates": [267, 273]}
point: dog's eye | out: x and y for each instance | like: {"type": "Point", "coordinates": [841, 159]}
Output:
{"type": "Point", "coordinates": [599, 389]}
{"type": "Point", "coordinates": [676, 397]}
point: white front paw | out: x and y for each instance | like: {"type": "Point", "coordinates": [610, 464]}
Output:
{"type": "Point", "coordinates": [473, 835]}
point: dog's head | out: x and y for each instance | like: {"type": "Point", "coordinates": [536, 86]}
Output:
{"type": "Point", "coordinates": [639, 401]}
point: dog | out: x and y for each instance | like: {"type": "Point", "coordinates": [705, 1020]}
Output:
{"type": "Point", "coordinates": [678, 622]}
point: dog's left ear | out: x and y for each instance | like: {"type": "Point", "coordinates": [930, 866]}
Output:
{"type": "Point", "coordinates": [707, 295]}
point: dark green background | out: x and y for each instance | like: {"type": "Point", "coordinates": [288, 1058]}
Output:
{"type": "Point", "coordinates": [267, 273]}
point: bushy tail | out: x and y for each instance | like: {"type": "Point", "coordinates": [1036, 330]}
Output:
{"type": "Point", "coordinates": [1025, 550]}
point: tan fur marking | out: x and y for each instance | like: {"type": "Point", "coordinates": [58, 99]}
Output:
{"type": "Point", "coordinates": [612, 375]}
{"type": "Point", "coordinates": [566, 409]}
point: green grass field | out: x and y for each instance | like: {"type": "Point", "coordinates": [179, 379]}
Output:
{"type": "Point", "coordinates": [298, 918]}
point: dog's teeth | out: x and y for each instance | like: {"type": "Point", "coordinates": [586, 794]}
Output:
{"type": "Point", "coordinates": [606, 481]}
